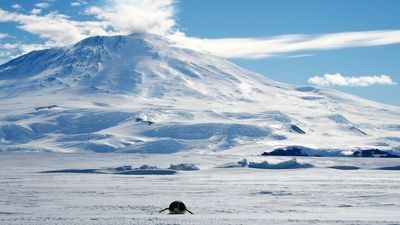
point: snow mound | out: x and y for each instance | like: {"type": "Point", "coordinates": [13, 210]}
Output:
{"type": "Point", "coordinates": [241, 163]}
{"type": "Point", "coordinates": [183, 167]}
{"type": "Point", "coordinates": [289, 164]}
{"type": "Point", "coordinates": [122, 170]}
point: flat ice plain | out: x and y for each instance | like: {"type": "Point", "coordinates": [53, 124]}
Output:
{"type": "Point", "coordinates": [317, 195]}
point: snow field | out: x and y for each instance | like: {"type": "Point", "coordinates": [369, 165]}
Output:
{"type": "Point", "coordinates": [317, 195]}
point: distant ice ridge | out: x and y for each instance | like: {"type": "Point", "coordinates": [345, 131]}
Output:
{"type": "Point", "coordinates": [287, 164]}
{"type": "Point", "coordinates": [357, 153]}
{"type": "Point", "coordinates": [129, 170]}
{"type": "Point", "coordinates": [140, 94]}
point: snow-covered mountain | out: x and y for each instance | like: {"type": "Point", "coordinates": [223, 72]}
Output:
{"type": "Point", "coordinates": [139, 93]}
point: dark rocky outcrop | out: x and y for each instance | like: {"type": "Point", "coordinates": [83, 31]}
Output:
{"type": "Point", "coordinates": [297, 129]}
{"type": "Point", "coordinates": [288, 151]}
{"type": "Point", "coordinates": [373, 153]}
{"type": "Point", "coordinates": [46, 107]}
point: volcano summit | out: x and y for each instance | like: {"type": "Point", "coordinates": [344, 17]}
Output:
{"type": "Point", "coordinates": [142, 94]}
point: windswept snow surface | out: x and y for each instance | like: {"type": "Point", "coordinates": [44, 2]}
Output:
{"type": "Point", "coordinates": [140, 94]}
{"type": "Point", "coordinates": [326, 193]}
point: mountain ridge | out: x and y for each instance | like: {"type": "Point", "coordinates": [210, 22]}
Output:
{"type": "Point", "coordinates": [112, 84]}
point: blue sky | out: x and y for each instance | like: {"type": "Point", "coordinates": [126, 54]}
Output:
{"type": "Point", "coordinates": [352, 46]}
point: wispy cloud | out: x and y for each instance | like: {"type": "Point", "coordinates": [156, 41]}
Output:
{"type": "Point", "coordinates": [10, 46]}
{"type": "Point", "coordinates": [42, 5]}
{"type": "Point", "coordinates": [340, 80]}
{"type": "Point", "coordinates": [253, 48]}
{"type": "Point", "coordinates": [112, 17]}
{"type": "Point", "coordinates": [3, 35]}
{"type": "Point", "coordinates": [56, 29]}
{"type": "Point", "coordinates": [16, 6]}
{"type": "Point", "coordinates": [78, 3]}
{"type": "Point", "coordinates": [298, 56]}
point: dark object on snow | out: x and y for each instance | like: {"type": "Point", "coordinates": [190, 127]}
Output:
{"type": "Point", "coordinates": [46, 107]}
{"type": "Point", "coordinates": [353, 128]}
{"type": "Point", "coordinates": [147, 172]}
{"type": "Point", "coordinates": [390, 168]}
{"type": "Point", "coordinates": [345, 167]}
{"type": "Point", "coordinates": [297, 129]}
{"type": "Point", "coordinates": [137, 119]}
{"type": "Point", "coordinates": [288, 151]}
{"type": "Point", "coordinates": [73, 171]}
{"type": "Point", "coordinates": [373, 153]}
{"type": "Point", "coordinates": [176, 207]}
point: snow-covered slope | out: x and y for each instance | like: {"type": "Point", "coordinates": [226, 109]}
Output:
{"type": "Point", "coordinates": [139, 93]}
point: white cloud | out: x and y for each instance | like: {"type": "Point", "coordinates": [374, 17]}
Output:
{"type": "Point", "coordinates": [340, 80]}
{"type": "Point", "coordinates": [129, 16]}
{"type": "Point", "coordinates": [3, 35]}
{"type": "Point", "coordinates": [253, 48]}
{"type": "Point", "coordinates": [42, 5]}
{"type": "Point", "coordinates": [298, 56]}
{"type": "Point", "coordinates": [7, 52]}
{"type": "Point", "coordinates": [16, 6]}
{"type": "Point", "coordinates": [57, 29]}
{"type": "Point", "coordinates": [76, 4]}
{"type": "Point", "coordinates": [36, 11]}
{"type": "Point", "coordinates": [114, 17]}
{"type": "Point", "coordinates": [79, 3]}
{"type": "Point", "coordinates": [157, 17]}
{"type": "Point", "coordinates": [10, 46]}
{"type": "Point", "coordinates": [5, 56]}
{"type": "Point", "coordinates": [26, 48]}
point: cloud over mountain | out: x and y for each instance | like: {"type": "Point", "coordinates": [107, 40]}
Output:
{"type": "Point", "coordinates": [338, 79]}
{"type": "Point", "coordinates": [112, 17]}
